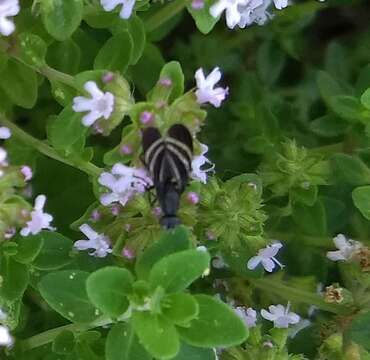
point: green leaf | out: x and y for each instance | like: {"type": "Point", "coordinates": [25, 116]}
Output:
{"type": "Point", "coordinates": [359, 331]}
{"type": "Point", "coordinates": [19, 82]}
{"type": "Point", "coordinates": [61, 17]}
{"type": "Point", "coordinates": [348, 108]}
{"type": "Point", "coordinates": [107, 289]}
{"type": "Point", "coordinates": [304, 196]}
{"type": "Point", "coordinates": [217, 325]}
{"type": "Point", "coordinates": [365, 99]}
{"type": "Point", "coordinates": [188, 352]}
{"type": "Point", "coordinates": [328, 86]}
{"type": "Point", "coordinates": [116, 53]}
{"type": "Point", "coordinates": [64, 56]}
{"type": "Point", "coordinates": [270, 61]}
{"type": "Point", "coordinates": [122, 344]}
{"type": "Point", "coordinates": [177, 271]}
{"type": "Point", "coordinates": [65, 292]}
{"type": "Point", "coordinates": [14, 279]}
{"type": "Point", "coordinates": [311, 219]}
{"type": "Point", "coordinates": [361, 199]}
{"type": "Point", "coordinates": [350, 169]}
{"type": "Point", "coordinates": [145, 72]}
{"type": "Point", "coordinates": [204, 21]}
{"type": "Point", "coordinates": [137, 31]}
{"type": "Point", "coordinates": [156, 334]}
{"type": "Point", "coordinates": [67, 133]}
{"type": "Point", "coordinates": [32, 49]}
{"type": "Point", "coordinates": [171, 71]}
{"type": "Point", "coordinates": [328, 126]}
{"type": "Point", "coordinates": [180, 308]}
{"type": "Point", "coordinates": [28, 248]}
{"type": "Point", "coordinates": [54, 253]}
{"type": "Point", "coordinates": [170, 242]}
{"type": "Point", "coordinates": [64, 343]}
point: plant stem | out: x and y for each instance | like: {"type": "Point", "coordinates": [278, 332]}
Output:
{"type": "Point", "coordinates": [49, 335]}
{"type": "Point", "coordinates": [164, 14]}
{"type": "Point", "coordinates": [45, 149]}
{"type": "Point", "coordinates": [293, 294]}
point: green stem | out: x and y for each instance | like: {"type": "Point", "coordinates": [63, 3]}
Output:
{"type": "Point", "coordinates": [164, 14]}
{"type": "Point", "coordinates": [293, 294]}
{"type": "Point", "coordinates": [49, 335]}
{"type": "Point", "coordinates": [45, 149]}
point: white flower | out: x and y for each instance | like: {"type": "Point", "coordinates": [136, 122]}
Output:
{"type": "Point", "coordinates": [346, 248]}
{"type": "Point", "coordinates": [266, 257]}
{"type": "Point", "coordinates": [5, 337]}
{"type": "Point", "coordinates": [5, 133]}
{"type": "Point", "coordinates": [96, 241]}
{"type": "Point", "coordinates": [218, 262]}
{"type": "Point", "coordinates": [202, 248]}
{"type": "Point", "coordinates": [39, 219]}
{"type": "Point", "coordinates": [206, 91]}
{"type": "Point", "coordinates": [26, 172]}
{"type": "Point", "coordinates": [255, 11]}
{"type": "Point", "coordinates": [127, 6]}
{"type": "Point", "coordinates": [3, 315]}
{"type": "Point", "coordinates": [3, 159]}
{"type": "Point", "coordinates": [100, 105]}
{"type": "Point", "coordinates": [124, 182]}
{"type": "Point", "coordinates": [196, 172]}
{"type": "Point", "coordinates": [8, 8]}
{"type": "Point", "coordinates": [231, 8]}
{"type": "Point", "coordinates": [281, 4]}
{"type": "Point", "coordinates": [280, 316]}
{"type": "Point", "coordinates": [249, 316]}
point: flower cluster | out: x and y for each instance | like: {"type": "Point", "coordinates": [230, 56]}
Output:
{"type": "Point", "coordinates": [123, 182]}
{"type": "Point", "coordinates": [244, 13]}
{"type": "Point", "coordinates": [281, 316]}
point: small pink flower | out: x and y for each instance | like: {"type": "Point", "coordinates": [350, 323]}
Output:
{"type": "Point", "coordinates": [26, 172]}
{"type": "Point", "coordinates": [126, 149]}
{"type": "Point", "coordinates": [193, 197]}
{"type": "Point", "coordinates": [146, 117]}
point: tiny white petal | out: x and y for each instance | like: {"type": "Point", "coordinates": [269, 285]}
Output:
{"type": "Point", "coordinates": [206, 91]}
{"type": "Point", "coordinates": [39, 219]}
{"type": "Point", "coordinates": [5, 133]}
{"type": "Point", "coordinates": [5, 337]}
{"type": "Point", "coordinates": [8, 8]}
{"type": "Point", "coordinates": [127, 6]}
{"type": "Point", "coordinates": [100, 105]}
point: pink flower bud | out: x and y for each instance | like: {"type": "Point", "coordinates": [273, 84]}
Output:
{"type": "Point", "coordinates": [115, 210]}
{"type": "Point", "coordinates": [126, 149]}
{"type": "Point", "coordinates": [197, 4]}
{"type": "Point", "coordinates": [193, 197]}
{"type": "Point", "coordinates": [210, 235]}
{"type": "Point", "coordinates": [157, 211]}
{"type": "Point", "coordinates": [96, 215]}
{"type": "Point", "coordinates": [146, 117]}
{"type": "Point", "coordinates": [128, 253]}
{"type": "Point", "coordinates": [108, 77]}
{"type": "Point", "coordinates": [165, 82]}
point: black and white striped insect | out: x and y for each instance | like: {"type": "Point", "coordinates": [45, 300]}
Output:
{"type": "Point", "coordinates": [168, 160]}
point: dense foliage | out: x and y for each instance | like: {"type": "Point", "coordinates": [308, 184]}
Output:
{"type": "Point", "coordinates": [263, 265]}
